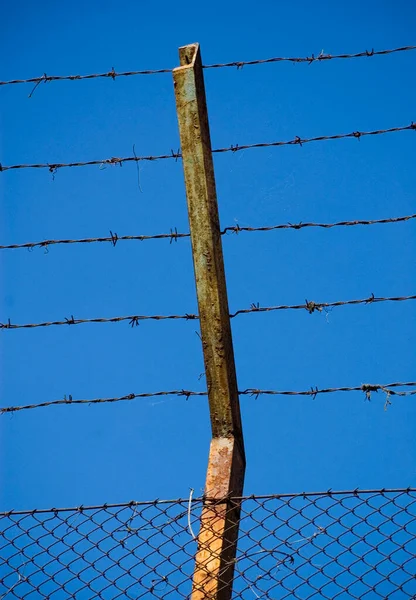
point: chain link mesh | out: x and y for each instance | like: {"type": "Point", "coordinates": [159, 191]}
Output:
{"type": "Point", "coordinates": [351, 544]}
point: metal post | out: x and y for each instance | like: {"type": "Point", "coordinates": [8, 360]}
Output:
{"type": "Point", "coordinates": [217, 539]}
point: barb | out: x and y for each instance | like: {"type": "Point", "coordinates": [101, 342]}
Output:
{"type": "Point", "coordinates": [138, 169]}
{"type": "Point", "coordinates": [387, 388]}
{"type": "Point", "coordinates": [134, 320]}
{"type": "Point", "coordinates": [297, 141]}
{"type": "Point", "coordinates": [239, 64]}
{"type": "Point", "coordinates": [174, 235]}
{"type": "Point", "coordinates": [36, 85]}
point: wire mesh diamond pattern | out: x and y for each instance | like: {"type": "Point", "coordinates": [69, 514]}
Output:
{"type": "Point", "coordinates": [331, 545]}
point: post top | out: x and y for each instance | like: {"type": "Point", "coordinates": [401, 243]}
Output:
{"type": "Point", "coordinates": [188, 55]}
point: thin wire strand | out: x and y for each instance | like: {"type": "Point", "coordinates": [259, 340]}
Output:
{"type": "Point", "coordinates": [107, 75]}
{"type": "Point", "coordinates": [134, 320]}
{"type": "Point", "coordinates": [301, 141]}
{"type": "Point", "coordinates": [113, 238]}
{"type": "Point", "coordinates": [174, 235]}
{"type": "Point", "coordinates": [53, 167]}
{"type": "Point", "coordinates": [185, 501]}
{"type": "Point", "coordinates": [189, 513]}
{"type": "Point", "coordinates": [239, 64]}
{"type": "Point", "coordinates": [301, 225]}
{"type": "Point", "coordinates": [297, 141]}
{"type": "Point", "coordinates": [312, 306]}
{"type": "Point", "coordinates": [366, 388]}
{"type": "Point", "coordinates": [321, 57]}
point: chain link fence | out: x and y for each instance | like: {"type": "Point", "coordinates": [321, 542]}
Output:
{"type": "Point", "coordinates": [350, 544]}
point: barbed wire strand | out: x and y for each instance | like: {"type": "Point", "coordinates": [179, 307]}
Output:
{"type": "Point", "coordinates": [312, 306]}
{"type": "Point", "coordinates": [367, 388]}
{"type": "Point", "coordinates": [113, 238]}
{"type": "Point", "coordinates": [310, 59]}
{"type": "Point", "coordinates": [174, 235]}
{"type": "Point", "coordinates": [300, 142]}
{"type": "Point", "coordinates": [196, 500]}
{"type": "Point", "coordinates": [134, 320]}
{"type": "Point", "coordinates": [238, 64]}
{"type": "Point", "coordinates": [297, 141]}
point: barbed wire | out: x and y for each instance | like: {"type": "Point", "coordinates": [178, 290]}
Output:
{"type": "Point", "coordinates": [297, 141]}
{"type": "Point", "coordinates": [173, 236]}
{"type": "Point", "coordinates": [134, 320]}
{"type": "Point", "coordinates": [312, 306]}
{"type": "Point", "coordinates": [322, 138]}
{"type": "Point", "coordinates": [302, 225]}
{"type": "Point", "coordinates": [198, 500]}
{"type": "Point", "coordinates": [53, 168]}
{"type": "Point", "coordinates": [310, 59]}
{"type": "Point", "coordinates": [238, 64]}
{"type": "Point", "coordinates": [366, 388]}
{"type": "Point", "coordinates": [113, 238]}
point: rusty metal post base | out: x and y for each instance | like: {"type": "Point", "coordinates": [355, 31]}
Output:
{"type": "Point", "coordinates": [217, 539]}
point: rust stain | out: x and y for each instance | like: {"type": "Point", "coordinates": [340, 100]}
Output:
{"type": "Point", "coordinates": [214, 564]}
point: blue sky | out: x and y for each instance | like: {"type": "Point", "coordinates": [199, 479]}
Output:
{"type": "Point", "coordinates": [158, 447]}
